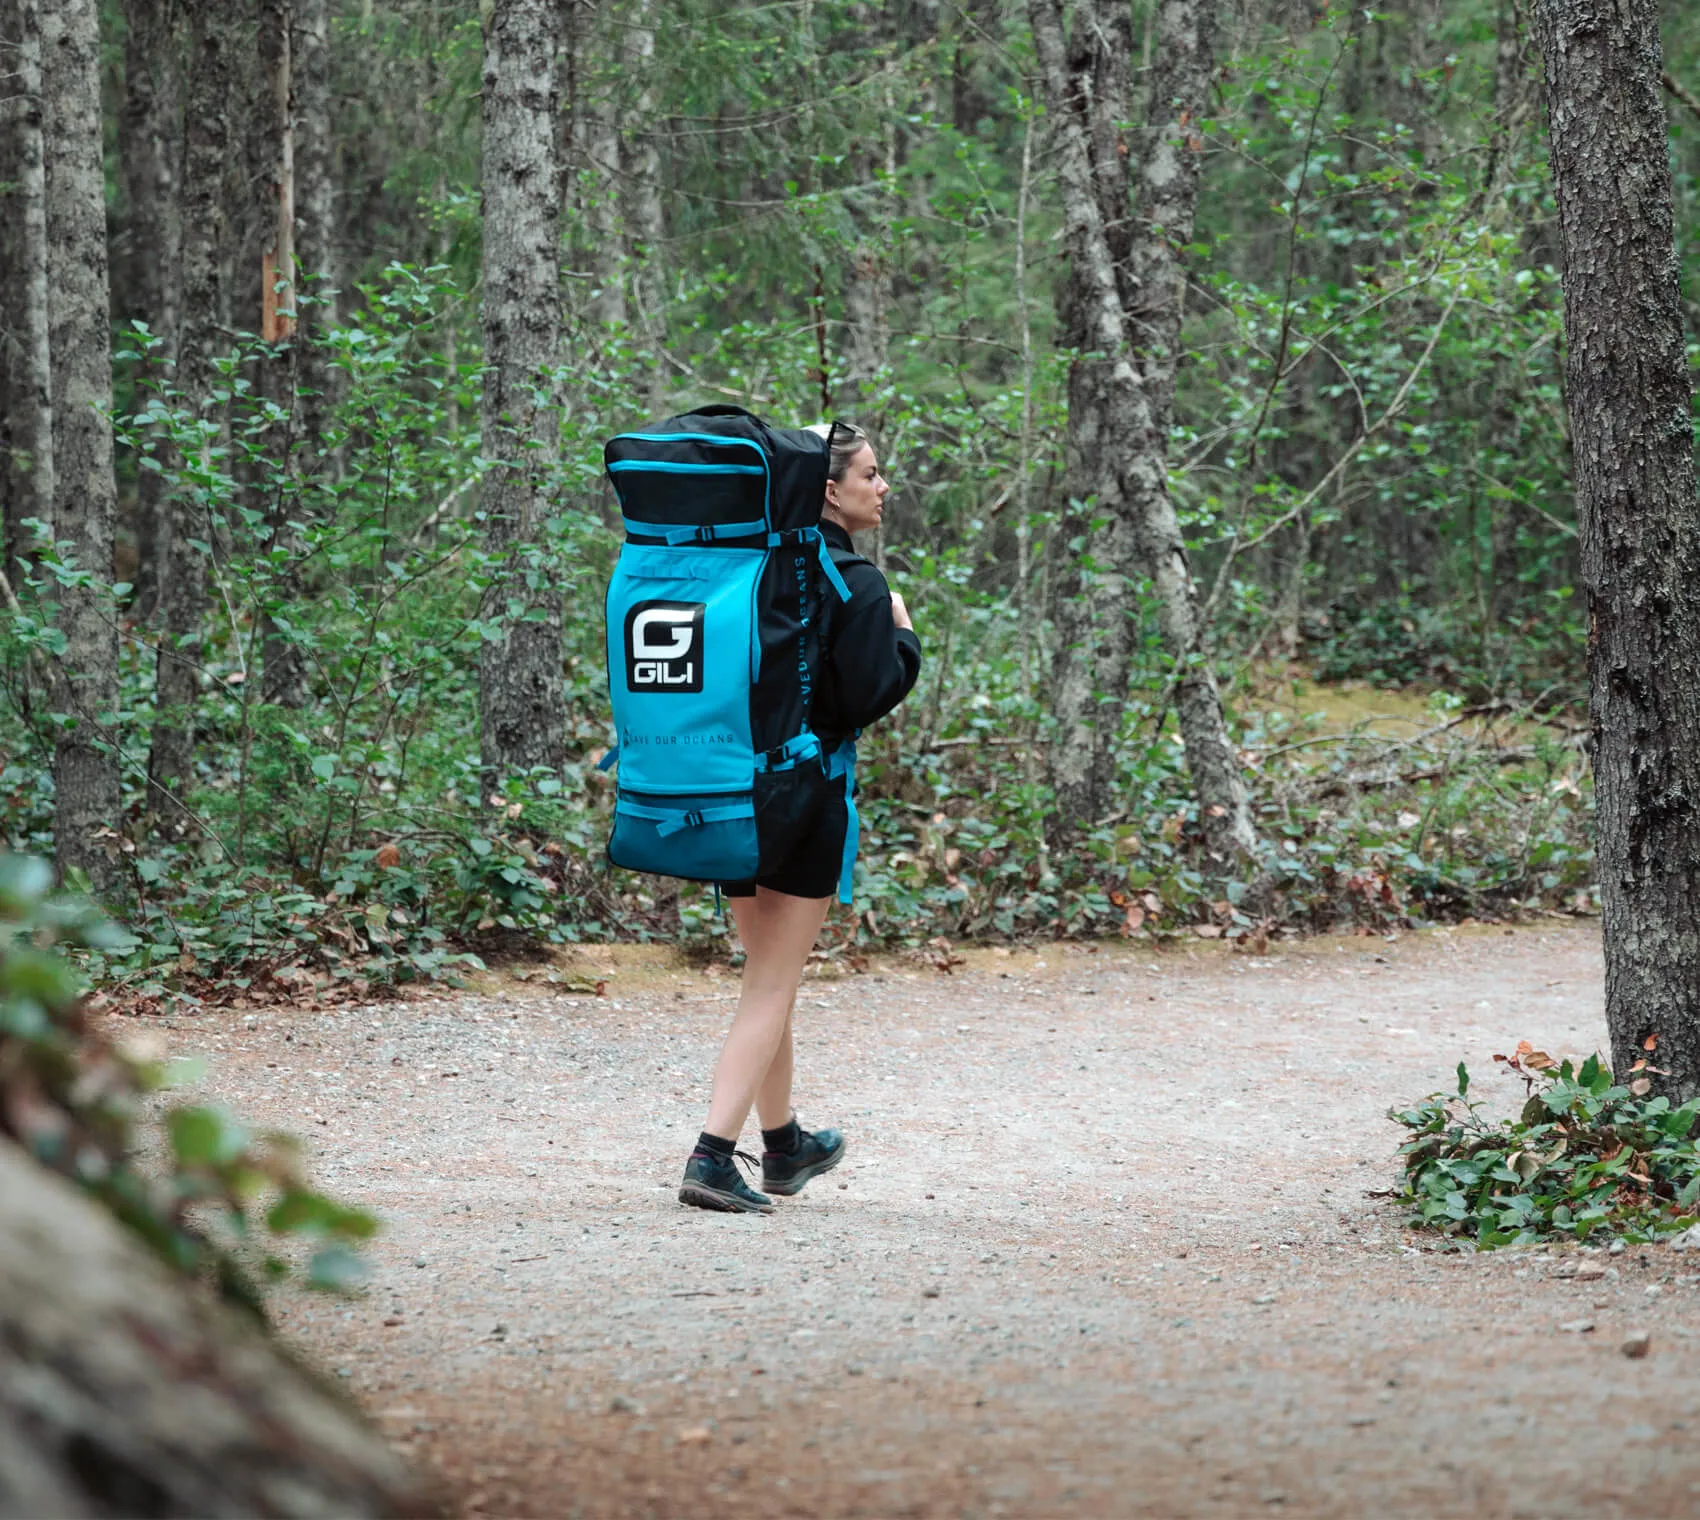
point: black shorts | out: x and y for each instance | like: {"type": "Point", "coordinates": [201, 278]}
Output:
{"type": "Point", "coordinates": [816, 860]}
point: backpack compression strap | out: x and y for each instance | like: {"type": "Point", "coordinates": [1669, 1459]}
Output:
{"type": "Point", "coordinates": [823, 551]}
{"type": "Point", "coordinates": [670, 821]}
{"type": "Point", "coordinates": [842, 762]}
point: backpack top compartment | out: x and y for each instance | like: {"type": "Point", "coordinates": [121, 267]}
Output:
{"type": "Point", "coordinates": [716, 474]}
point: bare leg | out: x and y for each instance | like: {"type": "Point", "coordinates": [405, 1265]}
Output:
{"type": "Point", "coordinates": [773, 1097]}
{"type": "Point", "coordinates": [778, 932]}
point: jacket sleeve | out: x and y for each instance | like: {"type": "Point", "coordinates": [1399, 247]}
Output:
{"type": "Point", "coordinates": [875, 662]}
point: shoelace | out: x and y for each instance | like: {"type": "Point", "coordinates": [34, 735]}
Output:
{"type": "Point", "coordinates": [749, 1161]}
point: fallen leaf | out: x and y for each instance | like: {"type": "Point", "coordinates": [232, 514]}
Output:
{"type": "Point", "coordinates": [694, 1435]}
{"type": "Point", "coordinates": [387, 858]}
{"type": "Point", "coordinates": [1207, 931]}
{"type": "Point", "coordinates": [1650, 1043]}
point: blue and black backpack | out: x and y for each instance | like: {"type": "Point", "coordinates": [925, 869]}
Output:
{"type": "Point", "coordinates": [716, 621]}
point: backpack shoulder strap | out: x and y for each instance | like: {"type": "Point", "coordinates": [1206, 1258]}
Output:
{"type": "Point", "coordinates": [843, 557]}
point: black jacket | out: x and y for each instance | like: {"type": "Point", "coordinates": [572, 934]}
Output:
{"type": "Point", "coordinates": [871, 663]}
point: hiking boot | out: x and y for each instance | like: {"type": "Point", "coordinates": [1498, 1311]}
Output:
{"type": "Point", "coordinates": [785, 1172]}
{"type": "Point", "coordinates": [712, 1182]}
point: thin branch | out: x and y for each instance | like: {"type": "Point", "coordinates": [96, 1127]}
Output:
{"type": "Point", "coordinates": [1394, 407]}
{"type": "Point", "coordinates": [1680, 92]}
{"type": "Point", "coordinates": [1568, 529]}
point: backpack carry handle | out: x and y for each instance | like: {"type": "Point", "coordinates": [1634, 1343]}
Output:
{"type": "Point", "coordinates": [719, 409]}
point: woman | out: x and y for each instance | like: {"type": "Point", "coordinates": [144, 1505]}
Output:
{"type": "Point", "coordinates": [872, 658]}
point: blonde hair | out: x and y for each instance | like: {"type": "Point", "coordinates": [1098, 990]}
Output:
{"type": "Point", "coordinates": [845, 441]}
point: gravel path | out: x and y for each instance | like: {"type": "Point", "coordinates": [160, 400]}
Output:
{"type": "Point", "coordinates": [1102, 1246]}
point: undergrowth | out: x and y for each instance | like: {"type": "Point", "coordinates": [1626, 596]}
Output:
{"type": "Point", "coordinates": [343, 843]}
{"type": "Point", "coordinates": [1586, 1157]}
{"type": "Point", "coordinates": [211, 1198]}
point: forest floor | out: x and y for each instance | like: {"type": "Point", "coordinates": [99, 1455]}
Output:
{"type": "Point", "coordinates": [1106, 1242]}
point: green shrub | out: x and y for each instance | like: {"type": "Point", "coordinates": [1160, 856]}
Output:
{"type": "Point", "coordinates": [217, 1200]}
{"type": "Point", "coordinates": [1586, 1157]}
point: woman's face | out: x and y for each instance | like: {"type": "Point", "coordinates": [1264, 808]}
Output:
{"type": "Point", "coordinates": [857, 502]}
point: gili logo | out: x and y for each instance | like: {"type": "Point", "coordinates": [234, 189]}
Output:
{"type": "Point", "coordinates": [664, 646]}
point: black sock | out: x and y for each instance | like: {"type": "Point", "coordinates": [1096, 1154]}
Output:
{"type": "Point", "coordinates": [784, 1140]}
{"type": "Point", "coordinates": [715, 1146]}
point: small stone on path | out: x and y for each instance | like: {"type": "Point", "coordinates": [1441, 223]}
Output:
{"type": "Point", "coordinates": [1638, 1345]}
{"type": "Point", "coordinates": [1577, 1326]}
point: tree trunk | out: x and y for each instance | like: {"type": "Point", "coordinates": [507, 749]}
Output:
{"type": "Point", "coordinates": [208, 143]}
{"type": "Point", "coordinates": [108, 1360]}
{"type": "Point", "coordinates": [152, 129]}
{"type": "Point", "coordinates": [283, 665]}
{"type": "Point", "coordinates": [1513, 101]}
{"type": "Point", "coordinates": [315, 251]}
{"type": "Point", "coordinates": [27, 480]}
{"type": "Point", "coordinates": [640, 186]}
{"type": "Point", "coordinates": [521, 705]}
{"type": "Point", "coordinates": [1629, 404]}
{"type": "Point", "coordinates": [85, 758]}
{"type": "Point", "coordinates": [867, 299]}
{"type": "Point", "coordinates": [1125, 309]}
{"type": "Point", "coordinates": [1168, 198]}
{"type": "Point", "coordinates": [598, 198]}
{"type": "Point", "coordinates": [1090, 675]}
{"type": "Point", "coordinates": [871, 209]}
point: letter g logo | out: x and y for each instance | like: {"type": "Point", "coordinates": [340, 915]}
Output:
{"type": "Point", "coordinates": [663, 633]}
{"type": "Point", "coordinates": [664, 646]}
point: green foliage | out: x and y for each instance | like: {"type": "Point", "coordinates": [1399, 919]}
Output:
{"type": "Point", "coordinates": [1586, 1157]}
{"type": "Point", "coordinates": [1367, 455]}
{"type": "Point", "coordinates": [214, 1200]}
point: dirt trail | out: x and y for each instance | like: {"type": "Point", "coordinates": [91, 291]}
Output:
{"type": "Point", "coordinates": [1102, 1247]}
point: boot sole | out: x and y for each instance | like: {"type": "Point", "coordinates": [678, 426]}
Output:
{"type": "Point", "coordinates": [796, 1184]}
{"type": "Point", "coordinates": [699, 1197]}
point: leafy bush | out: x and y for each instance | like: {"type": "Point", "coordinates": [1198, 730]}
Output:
{"type": "Point", "coordinates": [216, 1192]}
{"type": "Point", "coordinates": [1401, 642]}
{"type": "Point", "coordinates": [1586, 1156]}
{"type": "Point", "coordinates": [340, 841]}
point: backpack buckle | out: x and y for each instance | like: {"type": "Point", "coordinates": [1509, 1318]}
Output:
{"type": "Point", "coordinates": [693, 819]}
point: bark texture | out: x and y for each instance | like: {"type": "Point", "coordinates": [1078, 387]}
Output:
{"type": "Point", "coordinates": [1123, 306]}
{"type": "Point", "coordinates": [148, 146]}
{"type": "Point", "coordinates": [1629, 403]}
{"type": "Point", "coordinates": [85, 763]}
{"type": "Point", "coordinates": [1090, 674]}
{"type": "Point", "coordinates": [1514, 99]}
{"type": "Point", "coordinates": [594, 123]}
{"type": "Point", "coordinates": [26, 378]}
{"type": "Point", "coordinates": [208, 142]}
{"type": "Point", "coordinates": [640, 184]}
{"type": "Point", "coordinates": [315, 210]}
{"type": "Point", "coordinates": [871, 209]}
{"type": "Point", "coordinates": [128, 1393]}
{"type": "Point", "coordinates": [283, 664]}
{"type": "Point", "coordinates": [521, 705]}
